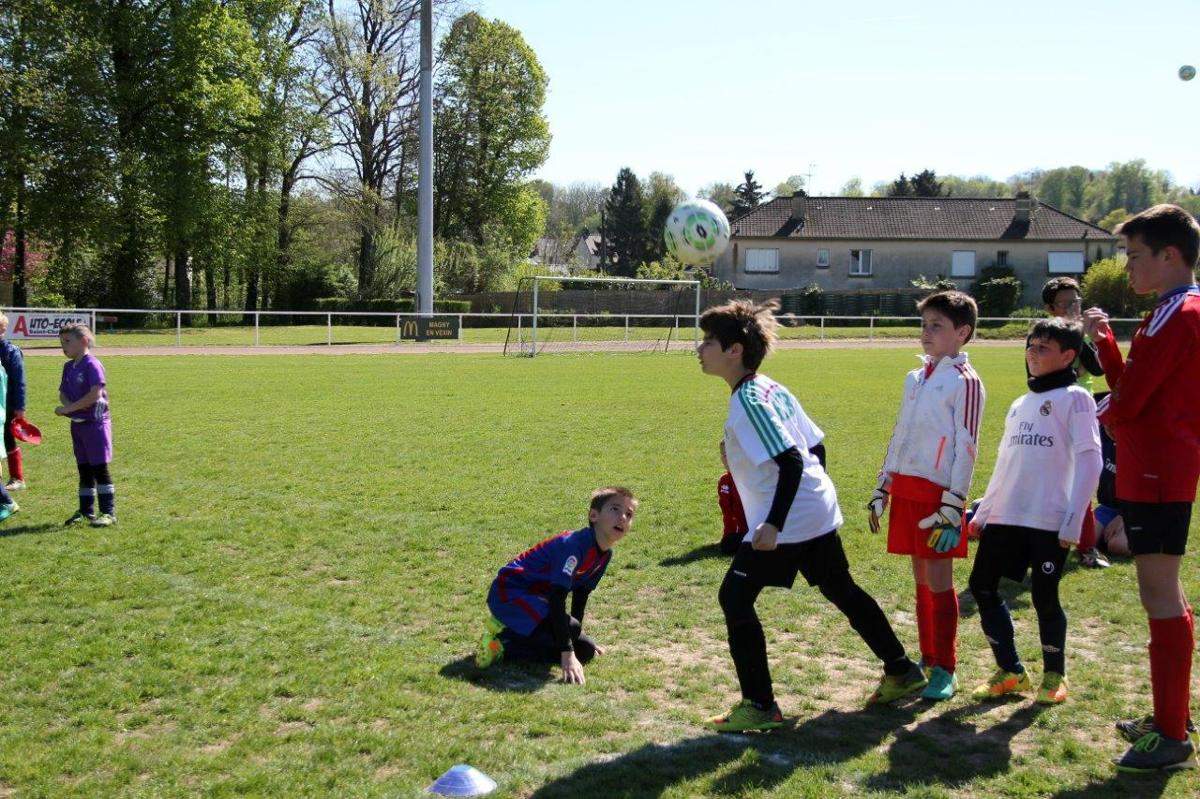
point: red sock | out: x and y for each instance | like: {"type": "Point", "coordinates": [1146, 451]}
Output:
{"type": "Point", "coordinates": [16, 470]}
{"type": "Point", "coordinates": [925, 624]}
{"type": "Point", "coordinates": [1087, 538]}
{"type": "Point", "coordinates": [945, 630]}
{"type": "Point", "coordinates": [1171, 644]}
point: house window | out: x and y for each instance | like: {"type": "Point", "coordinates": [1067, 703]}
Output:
{"type": "Point", "coordinates": [962, 263]}
{"type": "Point", "coordinates": [860, 262]}
{"type": "Point", "coordinates": [1065, 263]}
{"type": "Point", "coordinates": [1002, 258]}
{"type": "Point", "coordinates": [822, 257]}
{"type": "Point", "coordinates": [761, 260]}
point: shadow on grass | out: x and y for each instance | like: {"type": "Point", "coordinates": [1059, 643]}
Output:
{"type": "Point", "coordinates": [736, 763]}
{"type": "Point", "coordinates": [949, 750]}
{"type": "Point", "coordinates": [1118, 786]}
{"type": "Point", "coordinates": [521, 678]}
{"type": "Point", "coordinates": [1016, 594]}
{"type": "Point", "coordinates": [706, 552]}
{"type": "Point", "coordinates": [30, 529]}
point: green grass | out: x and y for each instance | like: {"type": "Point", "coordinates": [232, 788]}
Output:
{"type": "Point", "coordinates": [288, 605]}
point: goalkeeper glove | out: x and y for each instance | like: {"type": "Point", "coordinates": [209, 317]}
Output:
{"type": "Point", "coordinates": [878, 504]}
{"type": "Point", "coordinates": [946, 523]}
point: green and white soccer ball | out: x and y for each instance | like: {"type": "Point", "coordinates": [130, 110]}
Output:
{"type": "Point", "coordinates": [1187, 72]}
{"type": "Point", "coordinates": [697, 232]}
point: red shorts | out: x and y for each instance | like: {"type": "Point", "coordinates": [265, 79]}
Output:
{"type": "Point", "coordinates": [913, 499]}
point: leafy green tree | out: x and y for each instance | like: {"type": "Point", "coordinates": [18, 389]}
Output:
{"type": "Point", "coordinates": [794, 183]}
{"type": "Point", "coordinates": [662, 195]}
{"type": "Point", "coordinates": [976, 186]}
{"type": "Point", "coordinates": [722, 194]}
{"type": "Point", "coordinates": [852, 188]}
{"type": "Point", "coordinates": [490, 127]}
{"type": "Point", "coordinates": [1105, 285]}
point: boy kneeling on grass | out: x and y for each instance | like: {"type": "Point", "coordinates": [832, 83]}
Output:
{"type": "Point", "coordinates": [528, 599]}
{"type": "Point", "coordinates": [1032, 513]}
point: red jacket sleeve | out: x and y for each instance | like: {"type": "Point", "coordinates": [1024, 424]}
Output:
{"type": "Point", "coordinates": [1146, 371]}
{"type": "Point", "coordinates": [1111, 359]}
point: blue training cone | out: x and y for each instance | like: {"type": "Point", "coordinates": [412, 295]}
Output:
{"type": "Point", "coordinates": [462, 780]}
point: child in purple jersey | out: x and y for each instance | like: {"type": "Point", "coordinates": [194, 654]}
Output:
{"type": "Point", "coordinates": [528, 617]}
{"type": "Point", "coordinates": [85, 402]}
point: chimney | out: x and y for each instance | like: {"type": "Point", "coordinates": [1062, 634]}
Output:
{"type": "Point", "coordinates": [798, 206]}
{"type": "Point", "coordinates": [1025, 204]}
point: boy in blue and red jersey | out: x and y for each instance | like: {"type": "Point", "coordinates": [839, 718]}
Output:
{"type": "Point", "coordinates": [1153, 414]}
{"type": "Point", "coordinates": [528, 599]}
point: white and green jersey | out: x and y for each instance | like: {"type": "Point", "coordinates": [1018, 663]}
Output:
{"type": "Point", "coordinates": [764, 421]}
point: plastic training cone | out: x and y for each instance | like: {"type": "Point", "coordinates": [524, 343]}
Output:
{"type": "Point", "coordinates": [462, 780]}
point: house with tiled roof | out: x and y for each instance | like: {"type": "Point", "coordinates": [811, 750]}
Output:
{"type": "Point", "coordinates": [845, 243]}
{"type": "Point", "coordinates": [561, 256]}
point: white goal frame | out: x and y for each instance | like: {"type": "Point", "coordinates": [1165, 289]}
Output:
{"type": "Point", "coordinates": [536, 279]}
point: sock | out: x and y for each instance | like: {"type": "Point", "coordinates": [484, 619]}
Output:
{"type": "Point", "coordinates": [945, 616]}
{"type": "Point", "coordinates": [16, 471]}
{"type": "Point", "coordinates": [1087, 538]}
{"type": "Point", "coordinates": [925, 623]}
{"type": "Point", "coordinates": [108, 498]}
{"type": "Point", "coordinates": [1171, 644]}
{"type": "Point", "coordinates": [1052, 629]}
{"type": "Point", "coordinates": [87, 501]}
{"type": "Point", "coordinates": [997, 625]}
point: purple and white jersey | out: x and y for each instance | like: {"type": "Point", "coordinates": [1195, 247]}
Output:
{"type": "Point", "coordinates": [78, 378]}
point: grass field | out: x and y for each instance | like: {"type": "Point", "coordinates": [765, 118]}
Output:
{"type": "Point", "coordinates": [290, 601]}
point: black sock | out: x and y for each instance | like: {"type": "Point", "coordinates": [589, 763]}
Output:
{"type": "Point", "coordinates": [998, 629]}
{"type": "Point", "coordinates": [868, 620]}
{"type": "Point", "coordinates": [1052, 627]}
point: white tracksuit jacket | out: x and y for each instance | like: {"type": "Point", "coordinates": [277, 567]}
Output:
{"type": "Point", "coordinates": [937, 430]}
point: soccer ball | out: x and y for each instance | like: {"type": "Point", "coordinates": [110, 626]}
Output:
{"type": "Point", "coordinates": [697, 232]}
{"type": "Point", "coordinates": [1187, 72]}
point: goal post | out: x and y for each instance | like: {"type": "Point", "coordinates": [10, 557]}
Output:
{"type": "Point", "coordinates": [611, 303]}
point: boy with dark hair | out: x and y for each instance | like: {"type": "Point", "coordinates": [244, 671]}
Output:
{"type": "Point", "coordinates": [1063, 299]}
{"type": "Point", "coordinates": [927, 473]}
{"type": "Point", "coordinates": [528, 598]}
{"type": "Point", "coordinates": [1153, 414]}
{"type": "Point", "coordinates": [1032, 512]}
{"type": "Point", "coordinates": [792, 514]}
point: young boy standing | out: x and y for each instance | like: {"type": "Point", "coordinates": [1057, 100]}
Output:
{"type": "Point", "coordinates": [528, 598]}
{"type": "Point", "coordinates": [1048, 466]}
{"type": "Point", "coordinates": [1063, 299]}
{"type": "Point", "coordinates": [792, 516]}
{"type": "Point", "coordinates": [1153, 414]}
{"type": "Point", "coordinates": [927, 473]}
{"type": "Point", "coordinates": [84, 396]}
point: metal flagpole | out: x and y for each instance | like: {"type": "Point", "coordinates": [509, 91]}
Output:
{"type": "Point", "coordinates": [425, 175]}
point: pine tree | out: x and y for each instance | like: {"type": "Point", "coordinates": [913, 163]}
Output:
{"type": "Point", "coordinates": [747, 195]}
{"type": "Point", "coordinates": [626, 233]}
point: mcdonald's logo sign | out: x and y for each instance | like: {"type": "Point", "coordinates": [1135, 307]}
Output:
{"type": "Point", "coordinates": [423, 328]}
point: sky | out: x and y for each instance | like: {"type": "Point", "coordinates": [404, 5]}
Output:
{"type": "Point", "coordinates": [704, 90]}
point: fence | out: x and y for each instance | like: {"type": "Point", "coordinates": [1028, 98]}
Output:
{"type": "Point", "coordinates": [141, 327]}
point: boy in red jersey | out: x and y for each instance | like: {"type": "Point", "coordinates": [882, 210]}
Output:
{"type": "Point", "coordinates": [1153, 414]}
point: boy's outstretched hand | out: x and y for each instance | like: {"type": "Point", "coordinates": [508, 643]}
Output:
{"type": "Point", "coordinates": [572, 669]}
{"type": "Point", "coordinates": [764, 537]}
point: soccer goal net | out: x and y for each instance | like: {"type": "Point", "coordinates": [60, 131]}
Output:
{"type": "Point", "coordinates": [552, 313]}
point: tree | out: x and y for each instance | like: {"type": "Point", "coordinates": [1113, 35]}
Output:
{"type": "Point", "coordinates": [1065, 188]}
{"type": "Point", "coordinates": [662, 195]}
{"type": "Point", "coordinates": [852, 188]}
{"type": "Point", "coordinates": [1114, 218]}
{"type": "Point", "coordinates": [722, 194]}
{"type": "Point", "coordinates": [977, 186]}
{"type": "Point", "coordinates": [372, 68]}
{"type": "Point", "coordinates": [626, 225]}
{"type": "Point", "coordinates": [747, 195]}
{"type": "Point", "coordinates": [925, 184]}
{"type": "Point", "coordinates": [490, 126]}
{"type": "Point", "coordinates": [900, 187]}
{"type": "Point", "coordinates": [794, 184]}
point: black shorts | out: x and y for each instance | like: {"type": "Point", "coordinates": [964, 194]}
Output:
{"type": "Point", "coordinates": [1009, 551]}
{"type": "Point", "coordinates": [1155, 528]}
{"type": "Point", "coordinates": [817, 559]}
